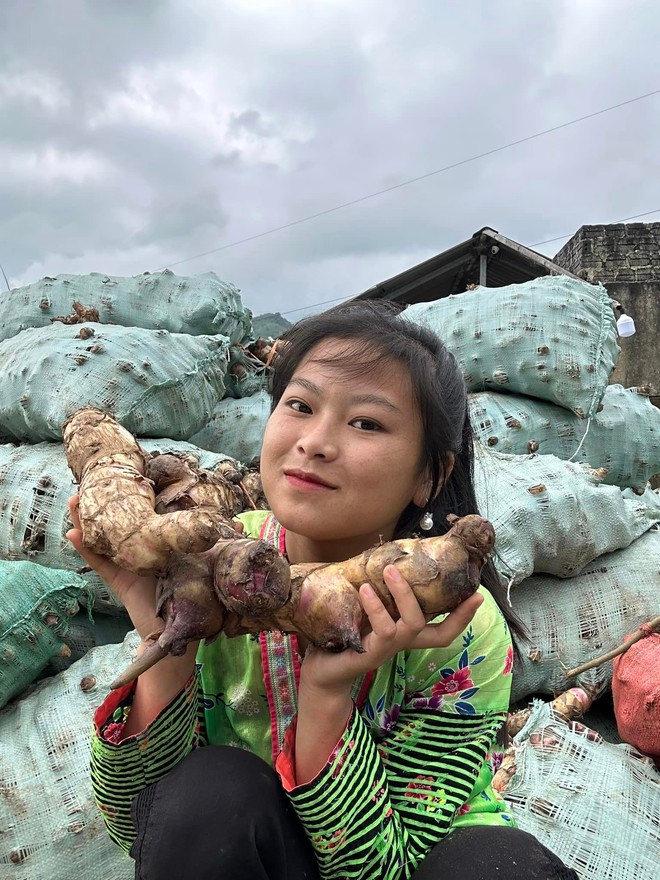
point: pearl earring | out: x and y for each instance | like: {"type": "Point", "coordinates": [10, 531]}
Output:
{"type": "Point", "coordinates": [426, 522]}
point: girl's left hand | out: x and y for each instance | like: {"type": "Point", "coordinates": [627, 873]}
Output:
{"type": "Point", "coordinates": [335, 673]}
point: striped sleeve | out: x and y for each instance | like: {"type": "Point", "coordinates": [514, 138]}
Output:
{"type": "Point", "coordinates": [119, 771]}
{"type": "Point", "coordinates": [377, 811]}
{"type": "Point", "coordinates": [402, 773]}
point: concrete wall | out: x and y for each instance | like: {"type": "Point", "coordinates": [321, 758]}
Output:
{"type": "Point", "coordinates": [625, 257]}
{"type": "Point", "coordinates": [639, 361]}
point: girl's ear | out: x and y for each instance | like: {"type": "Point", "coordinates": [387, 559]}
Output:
{"type": "Point", "coordinates": [422, 498]}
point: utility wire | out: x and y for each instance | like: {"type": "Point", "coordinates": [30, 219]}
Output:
{"type": "Point", "coordinates": [396, 186]}
{"type": "Point", "coordinates": [568, 234]}
{"type": "Point", "coordinates": [5, 277]}
{"type": "Point", "coordinates": [536, 244]}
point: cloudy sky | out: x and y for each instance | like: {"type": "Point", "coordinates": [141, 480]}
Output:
{"type": "Point", "coordinates": [136, 134]}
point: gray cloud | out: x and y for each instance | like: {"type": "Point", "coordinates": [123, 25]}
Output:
{"type": "Point", "coordinates": [136, 135]}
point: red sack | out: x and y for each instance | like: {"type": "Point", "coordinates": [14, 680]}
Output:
{"type": "Point", "coordinates": [636, 691]}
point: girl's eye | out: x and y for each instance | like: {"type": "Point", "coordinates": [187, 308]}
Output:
{"type": "Point", "coordinates": [366, 425]}
{"type": "Point", "coordinates": [299, 406]}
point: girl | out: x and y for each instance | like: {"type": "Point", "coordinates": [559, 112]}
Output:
{"type": "Point", "coordinates": [373, 765]}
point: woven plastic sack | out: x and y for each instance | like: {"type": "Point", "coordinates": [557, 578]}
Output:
{"type": "Point", "coordinates": [35, 486]}
{"type": "Point", "coordinates": [197, 304]}
{"type": "Point", "coordinates": [36, 605]}
{"type": "Point", "coordinates": [572, 622]}
{"type": "Point", "coordinates": [554, 338]}
{"type": "Point", "coordinates": [50, 826]}
{"type": "Point", "coordinates": [636, 692]}
{"type": "Point", "coordinates": [624, 437]}
{"type": "Point", "coordinates": [555, 516]}
{"type": "Point", "coordinates": [155, 383]}
{"type": "Point", "coordinates": [246, 375]}
{"type": "Point", "coordinates": [236, 427]}
{"type": "Point", "coordinates": [84, 634]}
{"type": "Point", "coordinates": [595, 804]}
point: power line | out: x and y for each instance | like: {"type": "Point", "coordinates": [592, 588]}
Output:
{"type": "Point", "coordinates": [568, 234]}
{"type": "Point", "coordinates": [314, 305]}
{"type": "Point", "coordinates": [536, 244]}
{"type": "Point", "coordinates": [5, 277]}
{"type": "Point", "coordinates": [396, 186]}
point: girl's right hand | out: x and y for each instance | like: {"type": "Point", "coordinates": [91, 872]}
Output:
{"type": "Point", "coordinates": [124, 584]}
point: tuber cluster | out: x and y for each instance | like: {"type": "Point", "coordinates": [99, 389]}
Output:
{"type": "Point", "coordinates": [166, 516]}
{"type": "Point", "coordinates": [118, 499]}
{"type": "Point", "coordinates": [244, 586]}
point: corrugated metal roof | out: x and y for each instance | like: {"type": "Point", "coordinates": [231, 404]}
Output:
{"type": "Point", "coordinates": [507, 262]}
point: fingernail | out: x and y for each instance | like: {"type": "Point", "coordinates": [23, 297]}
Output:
{"type": "Point", "coordinates": [393, 573]}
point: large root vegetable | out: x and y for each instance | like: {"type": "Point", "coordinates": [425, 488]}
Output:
{"type": "Point", "coordinates": [254, 578]}
{"type": "Point", "coordinates": [324, 605]}
{"type": "Point", "coordinates": [117, 500]}
{"type": "Point", "coordinates": [321, 601]}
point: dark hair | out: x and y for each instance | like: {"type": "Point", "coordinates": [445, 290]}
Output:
{"type": "Point", "coordinates": [375, 328]}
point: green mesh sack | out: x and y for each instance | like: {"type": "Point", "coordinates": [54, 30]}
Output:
{"type": "Point", "coordinates": [35, 487]}
{"type": "Point", "coordinates": [84, 634]}
{"type": "Point", "coordinates": [554, 338]}
{"type": "Point", "coordinates": [36, 605]}
{"type": "Point", "coordinates": [623, 437]}
{"type": "Point", "coordinates": [236, 427]}
{"type": "Point", "coordinates": [572, 622]}
{"type": "Point", "coordinates": [155, 383]}
{"type": "Point", "coordinates": [595, 804]}
{"type": "Point", "coordinates": [198, 304]}
{"type": "Point", "coordinates": [247, 375]}
{"type": "Point", "coordinates": [50, 826]}
{"type": "Point", "coordinates": [554, 517]}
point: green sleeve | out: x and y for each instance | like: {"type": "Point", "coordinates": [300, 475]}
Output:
{"type": "Point", "coordinates": [374, 812]}
{"type": "Point", "coordinates": [395, 782]}
{"type": "Point", "coordinates": [120, 770]}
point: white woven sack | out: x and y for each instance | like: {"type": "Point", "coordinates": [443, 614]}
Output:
{"type": "Point", "coordinates": [50, 826]}
{"type": "Point", "coordinates": [595, 804]}
{"type": "Point", "coordinates": [623, 437]}
{"type": "Point", "coordinates": [155, 383]}
{"type": "Point", "coordinates": [197, 304]}
{"type": "Point", "coordinates": [572, 622]}
{"type": "Point", "coordinates": [236, 427]}
{"type": "Point", "coordinates": [555, 516]}
{"type": "Point", "coordinates": [35, 486]}
{"type": "Point", "coordinates": [554, 338]}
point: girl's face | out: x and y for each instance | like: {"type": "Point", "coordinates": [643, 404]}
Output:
{"type": "Point", "coordinates": [341, 456]}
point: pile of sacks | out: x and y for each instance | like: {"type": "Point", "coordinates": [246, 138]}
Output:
{"type": "Point", "coordinates": [576, 536]}
{"type": "Point", "coordinates": [161, 353]}
{"type": "Point", "coordinates": [562, 468]}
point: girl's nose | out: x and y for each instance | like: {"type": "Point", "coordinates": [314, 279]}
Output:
{"type": "Point", "coordinates": [318, 442]}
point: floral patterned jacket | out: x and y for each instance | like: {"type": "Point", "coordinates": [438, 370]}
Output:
{"type": "Point", "coordinates": [415, 760]}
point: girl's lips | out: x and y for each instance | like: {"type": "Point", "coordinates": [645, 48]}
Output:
{"type": "Point", "coordinates": [302, 480]}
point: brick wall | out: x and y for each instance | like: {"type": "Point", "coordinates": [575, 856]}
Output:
{"type": "Point", "coordinates": [627, 252]}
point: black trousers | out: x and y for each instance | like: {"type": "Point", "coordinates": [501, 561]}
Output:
{"type": "Point", "coordinates": [222, 812]}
